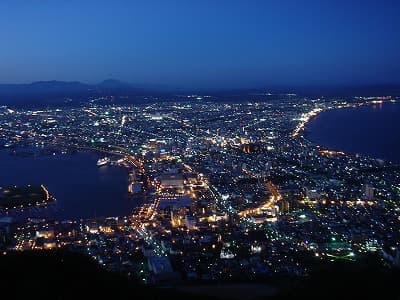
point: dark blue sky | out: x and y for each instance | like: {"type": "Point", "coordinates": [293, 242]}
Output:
{"type": "Point", "coordinates": [201, 43]}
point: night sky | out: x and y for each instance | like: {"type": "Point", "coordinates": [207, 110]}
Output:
{"type": "Point", "coordinates": [201, 43]}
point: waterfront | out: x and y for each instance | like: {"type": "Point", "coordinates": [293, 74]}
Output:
{"type": "Point", "coordinates": [81, 188]}
{"type": "Point", "coordinates": [215, 185]}
{"type": "Point", "coordinates": [371, 130]}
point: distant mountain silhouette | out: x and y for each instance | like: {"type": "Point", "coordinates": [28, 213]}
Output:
{"type": "Point", "coordinates": [55, 91]}
{"type": "Point", "coordinates": [42, 87]}
{"type": "Point", "coordinates": [58, 90]}
{"type": "Point", "coordinates": [114, 83]}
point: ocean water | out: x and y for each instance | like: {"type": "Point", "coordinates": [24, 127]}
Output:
{"type": "Point", "coordinates": [81, 188]}
{"type": "Point", "coordinates": [372, 130]}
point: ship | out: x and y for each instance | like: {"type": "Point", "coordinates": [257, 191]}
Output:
{"type": "Point", "coordinates": [103, 161]}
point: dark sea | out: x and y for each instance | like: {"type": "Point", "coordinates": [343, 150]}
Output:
{"type": "Point", "coordinates": [372, 130]}
{"type": "Point", "coordinates": [82, 189]}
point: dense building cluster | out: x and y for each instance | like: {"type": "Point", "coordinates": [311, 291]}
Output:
{"type": "Point", "coordinates": [225, 190]}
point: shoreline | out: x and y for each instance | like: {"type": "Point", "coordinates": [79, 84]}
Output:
{"type": "Point", "coordinates": [305, 132]}
{"type": "Point", "coordinates": [71, 151]}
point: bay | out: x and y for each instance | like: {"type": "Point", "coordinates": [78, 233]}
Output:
{"type": "Point", "coordinates": [372, 130]}
{"type": "Point", "coordinates": [82, 189]}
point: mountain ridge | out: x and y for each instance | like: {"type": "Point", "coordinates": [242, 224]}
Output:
{"type": "Point", "coordinates": [57, 90]}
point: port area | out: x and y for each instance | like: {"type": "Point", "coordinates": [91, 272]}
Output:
{"type": "Point", "coordinates": [24, 196]}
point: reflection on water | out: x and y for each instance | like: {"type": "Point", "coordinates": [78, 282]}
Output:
{"type": "Point", "coordinates": [81, 188]}
{"type": "Point", "coordinates": [370, 130]}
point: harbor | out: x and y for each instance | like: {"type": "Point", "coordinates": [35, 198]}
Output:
{"type": "Point", "coordinates": [82, 188]}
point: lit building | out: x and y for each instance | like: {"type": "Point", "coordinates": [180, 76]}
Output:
{"type": "Point", "coordinates": [172, 181]}
{"type": "Point", "coordinates": [190, 222]}
{"type": "Point", "coordinates": [368, 193]}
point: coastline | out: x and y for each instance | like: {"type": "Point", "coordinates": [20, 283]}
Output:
{"type": "Point", "coordinates": [96, 204]}
{"type": "Point", "coordinates": [305, 133]}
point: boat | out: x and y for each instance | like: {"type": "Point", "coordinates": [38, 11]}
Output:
{"type": "Point", "coordinates": [103, 161]}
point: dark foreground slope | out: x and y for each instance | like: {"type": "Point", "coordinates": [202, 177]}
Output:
{"type": "Point", "coordinates": [65, 275]}
{"type": "Point", "coordinates": [368, 278]}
